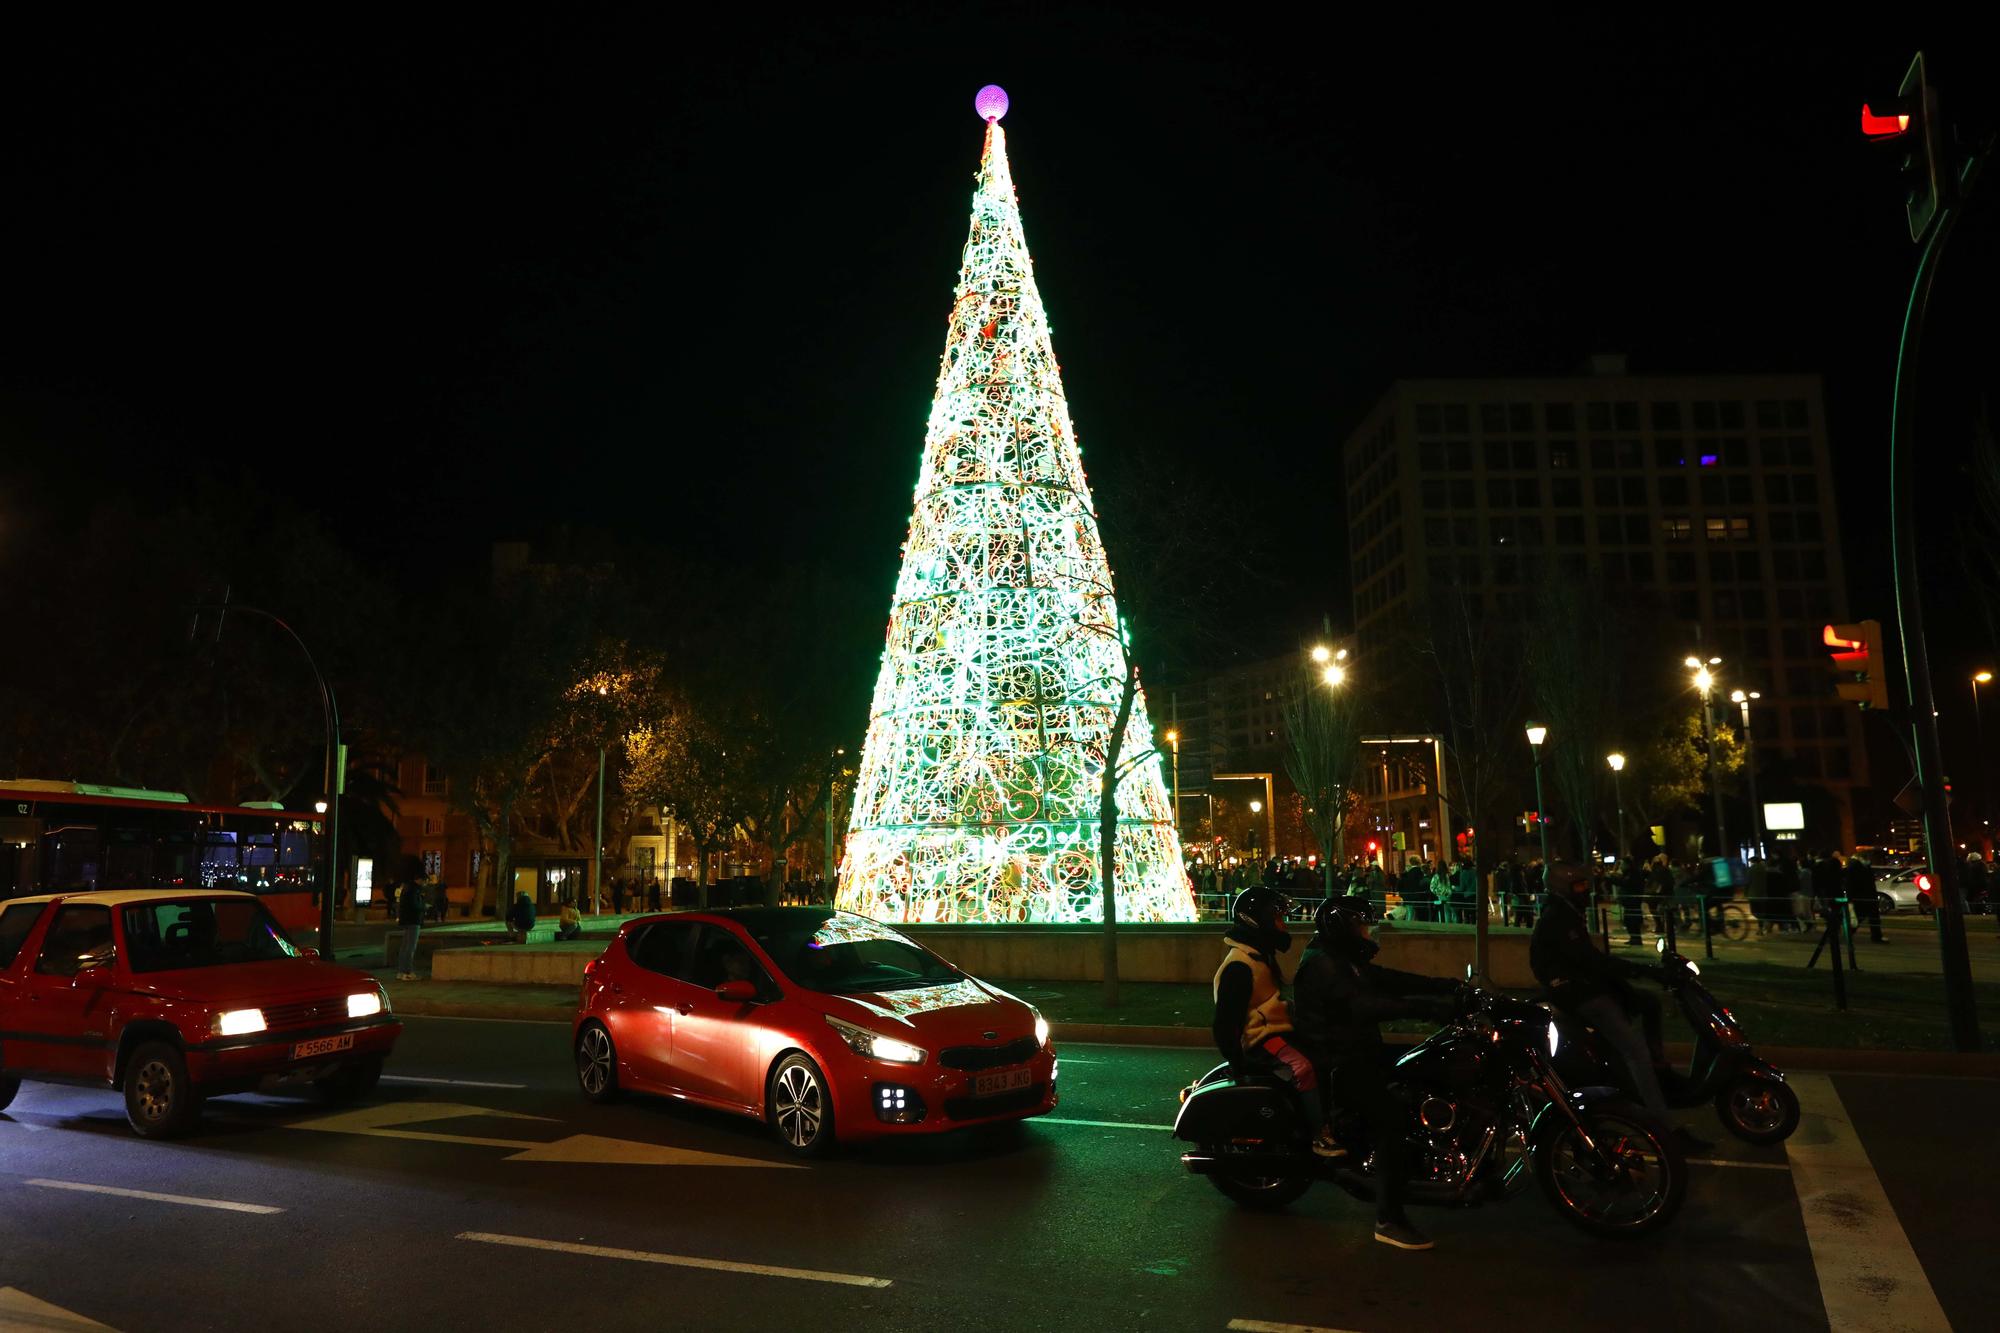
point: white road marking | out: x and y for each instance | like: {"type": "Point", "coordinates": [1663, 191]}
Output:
{"type": "Point", "coordinates": [451, 1082]}
{"type": "Point", "coordinates": [1747, 1166]}
{"type": "Point", "coordinates": [387, 1121]}
{"type": "Point", "coordinates": [226, 1205]}
{"type": "Point", "coordinates": [19, 1310]}
{"type": "Point", "coordinates": [1266, 1326]}
{"type": "Point", "coordinates": [1095, 1124]}
{"type": "Point", "coordinates": [1869, 1277]}
{"type": "Point", "coordinates": [677, 1260]}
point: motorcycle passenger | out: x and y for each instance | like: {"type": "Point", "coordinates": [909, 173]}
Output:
{"type": "Point", "coordinates": [1594, 987]}
{"type": "Point", "coordinates": [1340, 1000]}
{"type": "Point", "coordinates": [1252, 1020]}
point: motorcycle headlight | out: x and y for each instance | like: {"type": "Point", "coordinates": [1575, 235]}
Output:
{"type": "Point", "coordinates": [1555, 1038]}
{"type": "Point", "coordinates": [1660, 945]}
{"type": "Point", "coordinates": [875, 1046]}
{"type": "Point", "coordinates": [1041, 1027]}
{"type": "Point", "coordinates": [1693, 967]}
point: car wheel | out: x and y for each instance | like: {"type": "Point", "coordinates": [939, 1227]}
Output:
{"type": "Point", "coordinates": [801, 1106]}
{"type": "Point", "coordinates": [596, 1063]}
{"type": "Point", "coordinates": [350, 1082]}
{"type": "Point", "coordinates": [8, 1088]}
{"type": "Point", "coordinates": [161, 1100]}
{"type": "Point", "coordinates": [1924, 904]}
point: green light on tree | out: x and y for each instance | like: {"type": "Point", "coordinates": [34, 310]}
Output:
{"type": "Point", "coordinates": [979, 787]}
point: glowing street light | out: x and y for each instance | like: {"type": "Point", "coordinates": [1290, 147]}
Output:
{"type": "Point", "coordinates": [1334, 675]}
{"type": "Point", "coordinates": [1537, 733]}
{"type": "Point", "coordinates": [1704, 681]}
{"type": "Point", "coordinates": [1982, 677]}
{"type": "Point", "coordinates": [1617, 763]}
{"type": "Point", "coordinates": [1174, 741]}
{"type": "Point", "coordinates": [1322, 654]}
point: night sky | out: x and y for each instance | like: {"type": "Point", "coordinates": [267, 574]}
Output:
{"type": "Point", "coordinates": [690, 283]}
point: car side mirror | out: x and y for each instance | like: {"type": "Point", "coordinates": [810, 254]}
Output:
{"type": "Point", "coordinates": [736, 992]}
{"type": "Point", "coordinates": [308, 953]}
{"type": "Point", "coordinates": [94, 968]}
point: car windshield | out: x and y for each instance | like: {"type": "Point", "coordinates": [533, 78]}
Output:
{"type": "Point", "coordinates": [202, 932]}
{"type": "Point", "coordinates": [844, 953]}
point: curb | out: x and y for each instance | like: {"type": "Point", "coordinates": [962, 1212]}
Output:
{"type": "Point", "coordinates": [1828, 1059]}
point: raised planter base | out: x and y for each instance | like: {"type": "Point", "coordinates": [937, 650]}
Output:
{"type": "Point", "coordinates": [1029, 953]}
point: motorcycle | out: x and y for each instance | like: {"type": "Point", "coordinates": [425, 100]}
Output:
{"type": "Point", "coordinates": [1487, 1110]}
{"type": "Point", "coordinates": [1749, 1094]}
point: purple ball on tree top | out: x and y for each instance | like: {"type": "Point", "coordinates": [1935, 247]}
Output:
{"type": "Point", "coordinates": [991, 102]}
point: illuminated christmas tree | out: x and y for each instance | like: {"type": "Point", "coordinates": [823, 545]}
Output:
{"type": "Point", "coordinates": [978, 793]}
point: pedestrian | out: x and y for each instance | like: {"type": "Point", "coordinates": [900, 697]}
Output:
{"type": "Point", "coordinates": [411, 917]}
{"type": "Point", "coordinates": [1802, 892]}
{"type": "Point", "coordinates": [1632, 899]}
{"type": "Point", "coordinates": [1859, 881]}
{"type": "Point", "coordinates": [1975, 883]}
{"type": "Point", "coordinates": [568, 924]}
{"type": "Point", "coordinates": [440, 899]}
{"type": "Point", "coordinates": [521, 918]}
{"type": "Point", "coordinates": [1660, 892]}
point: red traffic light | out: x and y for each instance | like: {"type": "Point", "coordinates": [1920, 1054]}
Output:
{"type": "Point", "coordinates": [1834, 639]}
{"type": "Point", "coordinates": [1372, 846]}
{"type": "Point", "coordinates": [1883, 127]}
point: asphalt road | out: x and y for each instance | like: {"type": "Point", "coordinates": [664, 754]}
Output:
{"type": "Point", "coordinates": [367, 1216]}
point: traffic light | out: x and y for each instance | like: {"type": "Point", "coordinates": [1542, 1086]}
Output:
{"type": "Point", "coordinates": [1912, 122]}
{"type": "Point", "coordinates": [1860, 672]}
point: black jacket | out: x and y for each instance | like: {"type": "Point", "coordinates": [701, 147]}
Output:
{"type": "Point", "coordinates": [1339, 1001]}
{"type": "Point", "coordinates": [410, 904]}
{"type": "Point", "coordinates": [1566, 962]}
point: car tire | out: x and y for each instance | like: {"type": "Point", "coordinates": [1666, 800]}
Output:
{"type": "Point", "coordinates": [161, 1100]}
{"type": "Point", "coordinates": [799, 1106]}
{"type": "Point", "coordinates": [350, 1082]}
{"type": "Point", "coordinates": [9, 1088]}
{"type": "Point", "coordinates": [596, 1063]}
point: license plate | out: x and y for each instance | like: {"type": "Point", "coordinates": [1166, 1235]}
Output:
{"type": "Point", "coordinates": [1004, 1080]}
{"type": "Point", "coordinates": [323, 1046]}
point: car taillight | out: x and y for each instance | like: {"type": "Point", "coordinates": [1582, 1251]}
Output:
{"type": "Point", "coordinates": [590, 968]}
{"type": "Point", "coordinates": [1924, 883]}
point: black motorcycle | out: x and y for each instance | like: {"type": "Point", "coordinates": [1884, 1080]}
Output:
{"type": "Point", "coordinates": [1749, 1093]}
{"type": "Point", "coordinates": [1487, 1109]}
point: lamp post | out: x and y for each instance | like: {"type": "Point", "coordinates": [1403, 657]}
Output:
{"type": "Point", "coordinates": [597, 863]}
{"type": "Point", "coordinates": [1704, 681]}
{"type": "Point", "coordinates": [1979, 678]}
{"type": "Point", "coordinates": [1617, 763]}
{"type": "Point", "coordinates": [832, 774]}
{"type": "Point", "coordinates": [1742, 698]}
{"type": "Point", "coordinates": [1537, 733]}
{"type": "Point", "coordinates": [1256, 808]}
{"type": "Point", "coordinates": [1333, 674]}
{"type": "Point", "coordinates": [1174, 743]}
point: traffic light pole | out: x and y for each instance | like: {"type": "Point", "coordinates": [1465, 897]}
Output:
{"type": "Point", "coordinates": [1938, 844]}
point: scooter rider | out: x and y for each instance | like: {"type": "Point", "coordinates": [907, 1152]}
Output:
{"type": "Point", "coordinates": [1340, 1000]}
{"type": "Point", "coordinates": [1594, 987]}
{"type": "Point", "coordinates": [1252, 1020]}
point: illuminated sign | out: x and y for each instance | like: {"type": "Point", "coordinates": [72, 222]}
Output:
{"type": "Point", "coordinates": [1784, 815]}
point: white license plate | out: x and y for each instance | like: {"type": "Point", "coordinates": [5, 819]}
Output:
{"type": "Point", "coordinates": [1004, 1080]}
{"type": "Point", "coordinates": [323, 1046]}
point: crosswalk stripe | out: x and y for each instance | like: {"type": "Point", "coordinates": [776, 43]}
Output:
{"type": "Point", "coordinates": [676, 1260]}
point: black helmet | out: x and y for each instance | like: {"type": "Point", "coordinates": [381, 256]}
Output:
{"type": "Point", "coordinates": [1338, 914]}
{"type": "Point", "coordinates": [1257, 902]}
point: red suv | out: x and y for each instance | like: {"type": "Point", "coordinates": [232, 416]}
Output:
{"type": "Point", "coordinates": [812, 1020]}
{"type": "Point", "coordinates": [174, 996]}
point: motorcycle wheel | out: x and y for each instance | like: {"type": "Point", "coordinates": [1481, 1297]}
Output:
{"type": "Point", "coordinates": [1262, 1193]}
{"type": "Point", "coordinates": [1641, 1191]}
{"type": "Point", "coordinates": [1758, 1110]}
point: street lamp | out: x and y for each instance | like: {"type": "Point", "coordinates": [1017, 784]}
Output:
{"type": "Point", "coordinates": [1256, 808]}
{"type": "Point", "coordinates": [1704, 681]}
{"type": "Point", "coordinates": [832, 770]}
{"type": "Point", "coordinates": [1334, 675]}
{"type": "Point", "coordinates": [1537, 733]}
{"type": "Point", "coordinates": [1979, 678]}
{"type": "Point", "coordinates": [1742, 698]}
{"type": "Point", "coordinates": [1617, 762]}
{"type": "Point", "coordinates": [1174, 743]}
{"type": "Point", "coordinates": [597, 866]}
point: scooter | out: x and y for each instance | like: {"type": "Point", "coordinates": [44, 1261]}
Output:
{"type": "Point", "coordinates": [1749, 1093]}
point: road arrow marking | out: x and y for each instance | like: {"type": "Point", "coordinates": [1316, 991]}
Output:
{"type": "Point", "coordinates": [388, 1121]}
{"type": "Point", "coordinates": [19, 1310]}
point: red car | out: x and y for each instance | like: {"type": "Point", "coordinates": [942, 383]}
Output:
{"type": "Point", "coordinates": [174, 996]}
{"type": "Point", "coordinates": [815, 1021]}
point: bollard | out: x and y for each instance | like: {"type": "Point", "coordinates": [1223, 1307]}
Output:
{"type": "Point", "coordinates": [1847, 925]}
{"type": "Point", "coordinates": [1707, 929]}
{"type": "Point", "coordinates": [1839, 977]}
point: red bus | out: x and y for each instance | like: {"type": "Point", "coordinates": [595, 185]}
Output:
{"type": "Point", "coordinates": [57, 836]}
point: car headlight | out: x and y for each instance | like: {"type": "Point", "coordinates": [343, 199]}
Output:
{"type": "Point", "coordinates": [875, 1046]}
{"type": "Point", "coordinates": [239, 1022]}
{"type": "Point", "coordinates": [1555, 1038]}
{"type": "Point", "coordinates": [365, 1005]}
{"type": "Point", "coordinates": [1041, 1027]}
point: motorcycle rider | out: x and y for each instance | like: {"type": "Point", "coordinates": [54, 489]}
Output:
{"type": "Point", "coordinates": [1253, 1023]}
{"type": "Point", "coordinates": [1594, 988]}
{"type": "Point", "coordinates": [1340, 998]}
